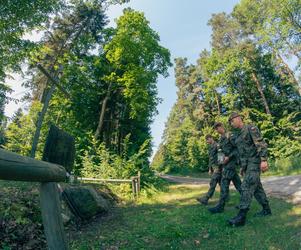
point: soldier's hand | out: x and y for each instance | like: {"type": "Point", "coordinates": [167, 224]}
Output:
{"type": "Point", "coordinates": [241, 172]}
{"type": "Point", "coordinates": [226, 160]}
{"type": "Point", "coordinates": [264, 166]}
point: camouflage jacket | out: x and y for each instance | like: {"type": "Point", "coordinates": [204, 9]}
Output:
{"type": "Point", "coordinates": [227, 145]}
{"type": "Point", "coordinates": [250, 145]}
{"type": "Point", "coordinates": [213, 156]}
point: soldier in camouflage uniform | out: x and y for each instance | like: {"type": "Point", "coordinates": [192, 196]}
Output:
{"type": "Point", "coordinates": [227, 157]}
{"type": "Point", "coordinates": [252, 151]}
{"type": "Point", "coordinates": [214, 170]}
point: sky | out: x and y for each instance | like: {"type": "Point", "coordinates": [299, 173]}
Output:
{"type": "Point", "coordinates": [182, 27]}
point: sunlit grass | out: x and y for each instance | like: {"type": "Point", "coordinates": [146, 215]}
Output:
{"type": "Point", "coordinates": [175, 220]}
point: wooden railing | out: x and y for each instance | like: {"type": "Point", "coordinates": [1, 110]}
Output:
{"type": "Point", "coordinates": [135, 181]}
{"type": "Point", "coordinates": [20, 168]}
{"type": "Point", "coordinates": [15, 167]}
{"type": "Point", "coordinates": [59, 148]}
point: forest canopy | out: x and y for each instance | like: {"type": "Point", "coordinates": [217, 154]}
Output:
{"type": "Point", "coordinates": [99, 83]}
{"type": "Point", "coordinates": [246, 70]}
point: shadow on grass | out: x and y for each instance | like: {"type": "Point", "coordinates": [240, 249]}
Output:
{"type": "Point", "coordinates": [178, 221]}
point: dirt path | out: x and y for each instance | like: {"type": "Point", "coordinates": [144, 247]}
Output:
{"type": "Point", "coordinates": [286, 187]}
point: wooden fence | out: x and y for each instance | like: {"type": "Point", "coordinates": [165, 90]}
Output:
{"type": "Point", "coordinates": [20, 168]}
{"type": "Point", "coordinates": [135, 181]}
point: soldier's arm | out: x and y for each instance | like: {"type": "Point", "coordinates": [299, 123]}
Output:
{"type": "Point", "coordinates": [212, 157]}
{"type": "Point", "coordinates": [211, 162]}
{"type": "Point", "coordinates": [259, 143]}
{"type": "Point", "coordinates": [230, 149]}
{"type": "Point", "coordinates": [231, 153]}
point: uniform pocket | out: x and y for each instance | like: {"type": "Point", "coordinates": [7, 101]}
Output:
{"type": "Point", "coordinates": [252, 177]}
{"type": "Point", "coordinates": [228, 174]}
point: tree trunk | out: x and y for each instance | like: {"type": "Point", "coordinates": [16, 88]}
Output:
{"type": "Point", "coordinates": [217, 104]}
{"type": "Point", "coordinates": [259, 88]}
{"type": "Point", "coordinates": [40, 121]}
{"type": "Point", "coordinates": [293, 51]}
{"type": "Point", "coordinates": [289, 72]}
{"type": "Point", "coordinates": [102, 113]}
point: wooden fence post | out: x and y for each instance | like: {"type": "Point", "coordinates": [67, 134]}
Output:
{"type": "Point", "coordinates": [59, 149]}
{"type": "Point", "coordinates": [51, 215]}
{"type": "Point", "coordinates": [139, 177]}
{"type": "Point", "coordinates": [134, 186]}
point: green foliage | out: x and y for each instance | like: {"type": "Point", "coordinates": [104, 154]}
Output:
{"type": "Point", "coordinates": [114, 91]}
{"type": "Point", "coordinates": [285, 166]}
{"type": "Point", "coordinates": [245, 71]}
{"type": "Point", "coordinates": [17, 18]}
{"type": "Point", "coordinates": [134, 51]}
{"type": "Point", "coordinates": [274, 24]}
{"type": "Point", "coordinates": [99, 162]}
{"type": "Point", "coordinates": [19, 133]}
{"type": "Point", "coordinates": [4, 89]}
{"type": "Point", "coordinates": [110, 75]}
{"type": "Point", "coordinates": [21, 220]}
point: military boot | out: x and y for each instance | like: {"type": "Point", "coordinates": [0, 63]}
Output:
{"type": "Point", "coordinates": [219, 208]}
{"type": "Point", "coordinates": [239, 219]}
{"type": "Point", "coordinates": [266, 210]}
{"type": "Point", "coordinates": [203, 200]}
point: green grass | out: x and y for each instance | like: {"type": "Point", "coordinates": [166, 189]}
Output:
{"type": "Point", "coordinates": [175, 220]}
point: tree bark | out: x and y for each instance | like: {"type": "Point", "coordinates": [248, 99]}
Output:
{"type": "Point", "coordinates": [289, 72]}
{"type": "Point", "coordinates": [259, 88]}
{"type": "Point", "coordinates": [102, 113]}
{"type": "Point", "coordinates": [293, 51]}
{"type": "Point", "coordinates": [41, 116]}
{"type": "Point", "coordinates": [217, 104]}
{"type": "Point", "coordinates": [53, 80]}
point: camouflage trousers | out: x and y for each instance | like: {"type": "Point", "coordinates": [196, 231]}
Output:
{"type": "Point", "coordinates": [251, 185]}
{"type": "Point", "coordinates": [215, 179]}
{"type": "Point", "coordinates": [229, 175]}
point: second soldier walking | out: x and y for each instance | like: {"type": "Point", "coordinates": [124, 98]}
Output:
{"type": "Point", "coordinates": [215, 170]}
{"type": "Point", "coordinates": [228, 158]}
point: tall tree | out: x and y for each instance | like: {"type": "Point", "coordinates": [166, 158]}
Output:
{"type": "Point", "coordinates": [136, 60]}
{"type": "Point", "coordinates": [17, 18]}
{"type": "Point", "coordinates": [245, 71]}
{"type": "Point", "coordinates": [276, 26]}
{"type": "Point", "coordinates": [82, 21]}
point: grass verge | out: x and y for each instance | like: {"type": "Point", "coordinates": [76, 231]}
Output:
{"type": "Point", "coordinates": [175, 220]}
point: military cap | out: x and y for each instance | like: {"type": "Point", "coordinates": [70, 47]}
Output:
{"type": "Point", "coordinates": [233, 115]}
{"type": "Point", "coordinates": [218, 124]}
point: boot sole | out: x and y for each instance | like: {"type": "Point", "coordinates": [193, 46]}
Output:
{"type": "Point", "coordinates": [203, 203]}
{"type": "Point", "coordinates": [236, 225]}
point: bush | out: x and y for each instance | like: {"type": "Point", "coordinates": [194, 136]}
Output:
{"type": "Point", "coordinates": [287, 165]}
{"type": "Point", "coordinates": [99, 162]}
